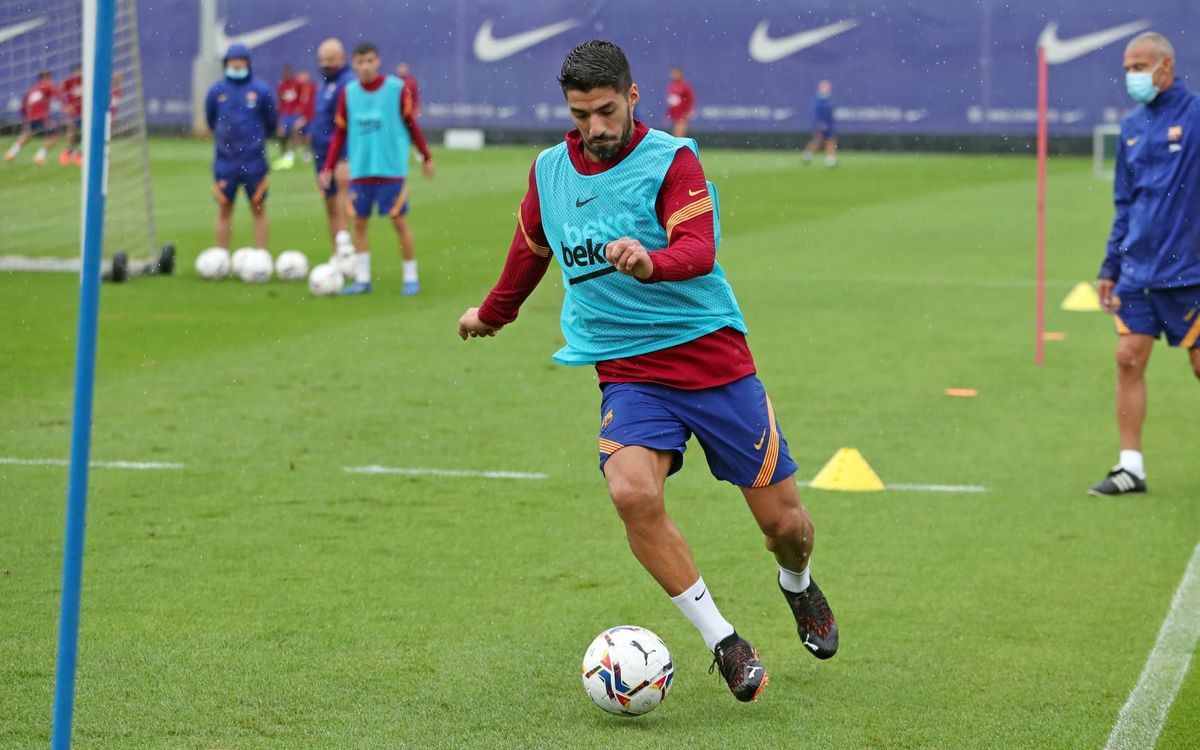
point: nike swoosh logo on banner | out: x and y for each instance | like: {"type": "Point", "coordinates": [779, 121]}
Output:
{"type": "Point", "coordinates": [17, 29]}
{"type": "Point", "coordinates": [764, 49]}
{"type": "Point", "coordinates": [581, 204]}
{"type": "Point", "coordinates": [257, 37]}
{"type": "Point", "coordinates": [758, 445]}
{"type": "Point", "coordinates": [490, 49]}
{"type": "Point", "coordinates": [1066, 50]}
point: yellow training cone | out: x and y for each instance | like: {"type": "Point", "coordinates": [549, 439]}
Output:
{"type": "Point", "coordinates": [1083, 298]}
{"type": "Point", "coordinates": [847, 471]}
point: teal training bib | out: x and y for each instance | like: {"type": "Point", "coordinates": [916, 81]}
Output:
{"type": "Point", "coordinates": [377, 136]}
{"type": "Point", "coordinates": [612, 315]}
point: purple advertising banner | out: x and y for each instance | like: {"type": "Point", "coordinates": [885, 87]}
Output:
{"type": "Point", "coordinates": [931, 66]}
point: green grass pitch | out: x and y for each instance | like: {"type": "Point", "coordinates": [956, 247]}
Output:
{"type": "Point", "coordinates": [260, 597]}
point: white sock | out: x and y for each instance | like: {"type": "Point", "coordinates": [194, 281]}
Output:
{"type": "Point", "coordinates": [41, 152]}
{"type": "Point", "coordinates": [362, 267]}
{"type": "Point", "coordinates": [792, 581]}
{"type": "Point", "coordinates": [342, 237]}
{"type": "Point", "coordinates": [697, 605]}
{"type": "Point", "coordinates": [1131, 461]}
{"type": "Point", "coordinates": [410, 271]}
{"type": "Point", "coordinates": [13, 149]}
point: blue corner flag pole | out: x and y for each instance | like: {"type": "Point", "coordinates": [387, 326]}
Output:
{"type": "Point", "coordinates": [85, 370]}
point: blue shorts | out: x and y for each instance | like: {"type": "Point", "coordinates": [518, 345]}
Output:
{"type": "Point", "coordinates": [44, 126]}
{"type": "Point", "coordinates": [824, 130]}
{"type": "Point", "coordinates": [734, 424]}
{"type": "Point", "coordinates": [318, 165]}
{"type": "Point", "coordinates": [287, 123]}
{"type": "Point", "coordinates": [1172, 312]}
{"type": "Point", "coordinates": [225, 186]}
{"type": "Point", "coordinates": [390, 197]}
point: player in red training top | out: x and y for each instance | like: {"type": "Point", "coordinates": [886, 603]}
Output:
{"type": "Point", "coordinates": [410, 83]}
{"type": "Point", "coordinates": [681, 101]}
{"type": "Point", "coordinates": [630, 216]}
{"type": "Point", "coordinates": [291, 115]}
{"type": "Point", "coordinates": [71, 93]}
{"type": "Point", "coordinates": [35, 114]}
{"type": "Point", "coordinates": [306, 93]}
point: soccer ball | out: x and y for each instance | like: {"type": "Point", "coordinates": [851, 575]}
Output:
{"type": "Point", "coordinates": [256, 267]}
{"type": "Point", "coordinates": [343, 258]}
{"type": "Point", "coordinates": [238, 260]}
{"type": "Point", "coordinates": [213, 263]}
{"type": "Point", "coordinates": [291, 265]}
{"type": "Point", "coordinates": [627, 670]}
{"type": "Point", "coordinates": [325, 280]}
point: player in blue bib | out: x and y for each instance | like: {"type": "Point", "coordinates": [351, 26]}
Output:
{"type": "Point", "coordinates": [376, 121]}
{"type": "Point", "coordinates": [634, 224]}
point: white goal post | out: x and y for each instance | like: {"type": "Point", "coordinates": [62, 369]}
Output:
{"type": "Point", "coordinates": [1102, 136]}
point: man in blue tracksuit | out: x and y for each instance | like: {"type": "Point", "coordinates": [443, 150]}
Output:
{"type": "Point", "coordinates": [335, 74]}
{"type": "Point", "coordinates": [1150, 278]}
{"type": "Point", "coordinates": [824, 130]}
{"type": "Point", "coordinates": [240, 110]}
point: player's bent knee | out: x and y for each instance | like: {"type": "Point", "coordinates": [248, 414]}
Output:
{"type": "Point", "coordinates": [636, 501]}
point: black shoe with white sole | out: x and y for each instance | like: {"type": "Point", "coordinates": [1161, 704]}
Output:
{"type": "Point", "coordinates": [739, 665]}
{"type": "Point", "coordinates": [1120, 481]}
{"type": "Point", "coordinates": [815, 623]}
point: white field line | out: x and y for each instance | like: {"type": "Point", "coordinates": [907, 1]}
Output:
{"type": "Point", "coordinates": [423, 471]}
{"type": "Point", "coordinates": [1144, 713]}
{"type": "Point", "coordinates": [954, 488]}
{"type": "Point", "coordinates": [141, 465]}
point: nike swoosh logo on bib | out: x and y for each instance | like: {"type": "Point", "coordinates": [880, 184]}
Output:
{"type": "Point", "coordinates": [765, 49]}
{"type": "Point", "coordinates": [490, 49]}
{"type": "Point", "coordinates": [582, 203]}
{"type": "Point", "coordinates": [1066, 50]}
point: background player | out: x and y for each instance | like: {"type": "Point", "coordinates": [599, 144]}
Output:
{"type": "Point", "coordinates": [824, 131]}
{"type": "Point", "coordinates": [1150, 278]}
{"type": "Point", "coordinates": [37, 120]}
{"type": "Point", "coordinates": [335, 74]}
{"type": "Point", "coordinates": [667, 340]}
{"type": "Point", "coordinates": [290, 114]}
{"type": "Point", "coordinates": [375, 114]}
{"type": "Point", "coordinates": [240, 111]}
{"type": "Point", "coordinates": [410, 83]}
{"type": "Point", "coordinates": [306, 92]}
{"type": "Point", "coordinates": [681, 102]}
{"type": "Point", "coordinates": [71, 94]}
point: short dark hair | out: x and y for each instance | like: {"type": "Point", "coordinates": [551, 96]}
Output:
{"type": "Point", "coordinates": [595, 64]}
{"type": "Point", "coordinates": [365, 48]}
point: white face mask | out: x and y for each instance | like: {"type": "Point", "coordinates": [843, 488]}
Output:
{"type": "Point", "coordinates": [1140, 86]}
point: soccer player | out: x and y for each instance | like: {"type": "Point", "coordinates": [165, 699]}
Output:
{"type": "Point", "coordinates": [375, 115]}
{"type": "Point", "coordinates": [410, 83]}
{"type": "Point", "coordinates": [824, 131]}
{"type": "Point", "coordinates": [681, 102]}
{"type": "Point", "coordinates": [1150, 278]}
{"type": "Point", "coordinates": [240, 110]}
{"type": "Point", "coordinates": [71, 93]}
{"type": "Point", "coordinates": [35, 112]}
{"type": "Point", "coordinates": [306, 93]}
{"type": "Point", "coordinates": [629, 214]}
{"type": "Point", "coordinates": [335, 74]}
{"type": "Point", "coordinates": [290, 109]}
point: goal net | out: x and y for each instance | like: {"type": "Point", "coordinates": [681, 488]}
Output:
{"type": "Point", "coordinates": [1104, 150]}
{"type": "Point", "coordinates": [40, 181]}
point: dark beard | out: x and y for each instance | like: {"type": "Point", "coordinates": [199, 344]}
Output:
{"type": "Point", "coordinates": [606, 150]}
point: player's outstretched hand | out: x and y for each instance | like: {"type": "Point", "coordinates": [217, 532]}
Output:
{"type": "Point", "coordinates": [470, 326]}
{"type": "Point", "coordinates": [325, 178]}
{"type": "Point", "coordinates": [1104, 288]}
{"type": "Point", "coordinates": [629, 257]}
{"type": "Point", "coordinates": [427, 168]}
